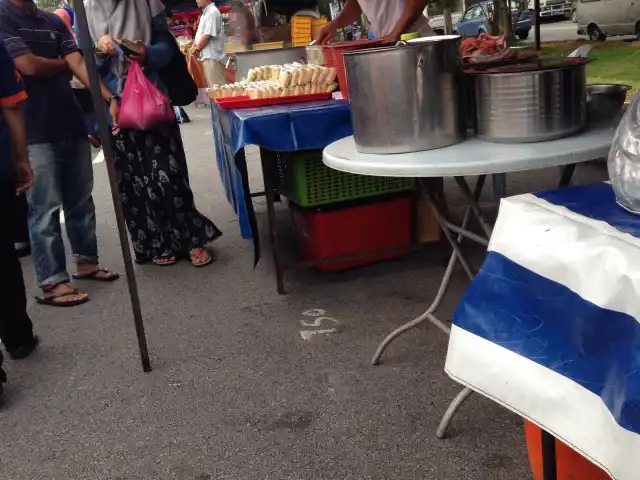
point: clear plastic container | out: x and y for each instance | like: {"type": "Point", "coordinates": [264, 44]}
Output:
{"type": "Point", "coordinates": [624, 158]}
{"type": "Point", "coordinates": [315, 55]}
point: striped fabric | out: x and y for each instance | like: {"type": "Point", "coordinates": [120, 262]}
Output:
{"type": "Point", "coordinates": [549, 327]}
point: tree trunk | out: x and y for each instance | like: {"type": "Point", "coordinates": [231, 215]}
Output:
{"type": "Point", "coordinates": [501, 24]}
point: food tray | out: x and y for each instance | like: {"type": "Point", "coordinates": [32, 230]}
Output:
{"type": "Point", "coordinates": [244, 101]}
{"type": "Point", "coordinates": [305, 180]}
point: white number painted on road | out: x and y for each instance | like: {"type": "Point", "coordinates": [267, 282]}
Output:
{"type": "Point", "coordinates": [320, 320]}
{"type": "Point", "coordinates": [317, 322]}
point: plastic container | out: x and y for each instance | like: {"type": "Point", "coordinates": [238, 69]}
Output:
{"type": "Point", "coordinates": [305, 180]}
{"type": "Point", "coordinates": [409, 36]}
{"type": "Point", "coordinates": [570, 464]}
{"type": "Point", "coordinates": [333, 58]}
{"type": "Point", "coordinates": [332, 232]}
{"type": "Point", "coordinates": [315, 55]}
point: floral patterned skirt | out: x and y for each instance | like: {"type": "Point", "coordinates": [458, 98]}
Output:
{"type": "Point", "coordinates": [156, 197]}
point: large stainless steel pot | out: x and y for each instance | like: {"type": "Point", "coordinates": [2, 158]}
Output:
{"type": "Point", "coordinates": [406, 98]}
{"type": "Point", "coordinates": [533, 102]}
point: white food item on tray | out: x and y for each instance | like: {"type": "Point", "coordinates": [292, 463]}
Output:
{"type": "Point", "coordinates": [331, 76]}
{"type": "Point", "coordinates": [272, 81]}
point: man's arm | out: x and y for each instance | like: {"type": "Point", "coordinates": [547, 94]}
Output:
{"type": "Point", "coordinates": [17, 132]}
{"type": "Point", "coordinates": [78, 67]}
{"type": "Point", "coordinates": [200, 44]}
{"type": "Point", "coordinates": [25, 61]}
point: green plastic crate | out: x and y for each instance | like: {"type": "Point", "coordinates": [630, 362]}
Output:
{"type": "Point", "coordinates": [306, 181]}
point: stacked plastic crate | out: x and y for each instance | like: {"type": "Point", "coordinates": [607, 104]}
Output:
{"type": "Point", "coordinates": [304, 29]}
{"type": "Point", "coordinates": [340, 214]}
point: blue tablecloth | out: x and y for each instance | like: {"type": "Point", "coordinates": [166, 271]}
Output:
{"type": "Point", "coordinates": [550, 326]}
{"type": "Point", "coordinates": [285, 128]}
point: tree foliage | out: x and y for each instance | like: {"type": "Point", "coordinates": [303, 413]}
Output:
{"type": "Point", "coordinates": [51, 4]}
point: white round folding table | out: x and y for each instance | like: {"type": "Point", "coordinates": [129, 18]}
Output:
{"type": "Point", "coordinates": [472, 157]}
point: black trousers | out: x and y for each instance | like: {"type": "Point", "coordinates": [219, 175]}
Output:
{"type": "Point", "coordinates": [15, 325]}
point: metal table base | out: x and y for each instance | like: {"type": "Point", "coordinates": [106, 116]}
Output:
{"type": "Point", "coordinates": [432, 190]}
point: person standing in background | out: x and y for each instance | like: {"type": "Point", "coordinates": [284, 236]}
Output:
{"type": "Point", "coordinates": [388, 18]}
{"type": "Point", "coordinates": [210, 42]}
{"type": "Point", "coordinates": [16, 176]}
{"type": "Point", "coordinates": [151, 165]}
{"type": "Point", "coordinates": [245, 23]}
{"type": "Point", "coordinates": [46, 55]}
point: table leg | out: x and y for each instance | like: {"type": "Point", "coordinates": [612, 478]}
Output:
{"type": "Point", "coordinates": [567, 174]}
{"type": "Point", "coordinates": [549, 469]}
{"type": "Point", "coordinates": [267, 173]}
{"type": "Point", "coordinates": [499, 186]}
{"type": "Point", "coordinates": [434, 197]}
{"type": "Point", "coordinates": [451, 411]}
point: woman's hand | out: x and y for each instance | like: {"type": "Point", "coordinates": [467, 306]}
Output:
{"type": "Point", "coordinates": [105, 45]}
{"type": "Point", "coordinates": [114, 111]}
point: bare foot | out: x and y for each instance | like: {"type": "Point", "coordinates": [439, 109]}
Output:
{"type": "Point", "coordinates": [92, 271]}
{"type": "Point", "coordinates": [62, 294]}
{"type": "Point", "coordinates": [199, 257]}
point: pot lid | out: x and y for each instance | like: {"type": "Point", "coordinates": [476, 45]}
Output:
{"type": "Point", "coordinates": [531, 65]}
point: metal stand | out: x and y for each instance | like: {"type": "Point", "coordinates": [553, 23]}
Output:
{"type": "Point", "coordinates": [109, 155]}
{"type": "Point", "coordinates": [432, 191]}
{"type": "Point", "coordinates": [566, 175]}
{"type": "Point", "coordinates": [268, 173]}
{"type": "Point", "coordinates": [549, 469]}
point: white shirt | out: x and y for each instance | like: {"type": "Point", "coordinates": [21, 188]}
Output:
{"type": "Point", "coordinates": [384, 15]}
{"type": "Point", "coordinates": [211, 24]}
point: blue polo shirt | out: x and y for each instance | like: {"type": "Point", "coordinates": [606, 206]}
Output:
{"type": "Point", "coordinates": [11, 93]}
{"type": "Point", "coordinates": [51, 112]}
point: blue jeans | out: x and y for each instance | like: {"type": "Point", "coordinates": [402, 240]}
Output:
{"type": "Point", "coordinates": [63, 178]}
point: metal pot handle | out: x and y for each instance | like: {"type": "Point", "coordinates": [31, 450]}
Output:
{"type": "Point", "coordinates": [401, 43]}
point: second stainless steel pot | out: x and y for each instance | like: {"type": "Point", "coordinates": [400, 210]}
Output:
{"type": "Point", "coordinates": [406, 98]}
{"type": "Point", "coordinates": [537, 103]}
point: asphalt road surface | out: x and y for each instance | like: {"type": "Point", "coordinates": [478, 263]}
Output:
{"type": "Point", "coordinates": [237, 392]}
{"type": "Point", "coordinates": [555, 31]}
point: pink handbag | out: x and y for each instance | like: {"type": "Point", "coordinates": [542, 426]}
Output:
{"type": "Point", "coordinates": [143, 107]}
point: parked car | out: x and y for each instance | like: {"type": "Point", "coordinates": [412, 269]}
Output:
{"type": "Point", "coordinates": [602, 18]}
{"type": "Point", "coordinates": [477, 18]}
{"type": "Point", "coordinates": [553, 8]}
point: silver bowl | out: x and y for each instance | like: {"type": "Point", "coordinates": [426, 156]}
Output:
{"type": "Point", "coordinates": [605, 100]}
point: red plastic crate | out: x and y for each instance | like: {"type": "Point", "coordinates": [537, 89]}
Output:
{"type": "Point", "coordinates": [352, 230]}
{"type": "Point", "coordinates": [333, 58]}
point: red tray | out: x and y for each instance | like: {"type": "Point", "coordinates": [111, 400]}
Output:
{"type": "Point", "coordinates": [244, 101]}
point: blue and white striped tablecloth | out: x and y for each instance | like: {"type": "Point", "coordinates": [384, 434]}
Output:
{"type": "Point", "coordinates": [550, 326]}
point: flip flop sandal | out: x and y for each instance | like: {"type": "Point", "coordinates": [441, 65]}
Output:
{"type": "Point", "coordinates": [51, 299]}
{"type": "Point", "coordinates": [202, 264]}
{"type": "Point", "coordinates": [96, 278]}
{"type": "Point", "coordinates": [172, 261]}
